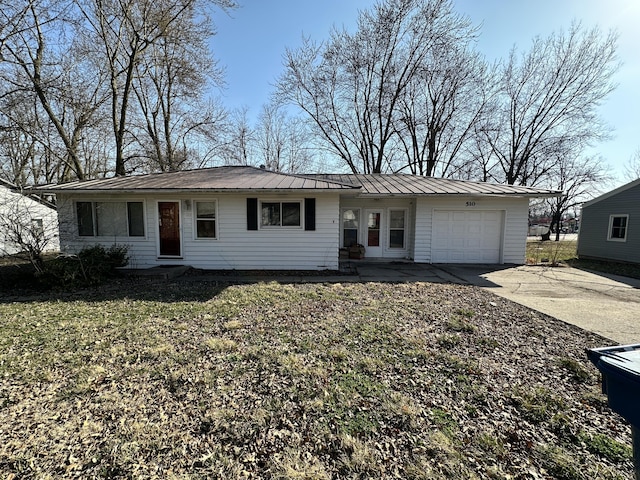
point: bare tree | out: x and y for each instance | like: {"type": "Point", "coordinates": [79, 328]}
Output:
{"type": "Point", "coordinates": [578, 179]}
{"type": "Point", "coordinates": [33, 65]}
{"type": "Point", "coordinates": [299, 154]}
{"type": "Point", "coordinates": [442, 103]}
{"type": "Point", "coordinates": [127, 33]}
{"type": "Point", "coordinates": [170, 88]}
{"type": "Point", "coordinates": [632, 167]}
{"type": "Point", "coordinates": [240, 139]}
{"type": "Point", "coordinates": [351, 87]}
{"type": "Point", "coordinates": [547, 102]}
{"type": "Point", "coordinates": [282, 141]}
{"type": "Point", "coordinates": [66, 66]}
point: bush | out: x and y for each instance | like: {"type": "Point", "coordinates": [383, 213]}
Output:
{"type": "Point", "coordinates": [91, 266]}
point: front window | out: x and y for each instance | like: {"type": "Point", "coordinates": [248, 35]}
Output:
{"type": "Point", "coordinates": [618, 228]}
{"type": "Point", "coordinates": [350, 221]}
{"type": "Point", "coordinates": [206, 219]}
{"type": "Point", "coordinates": [396, 228]}
{"type": "Point", "coordinates": [110, 219]}
{"type": "Point", "coordinates": [280, 214]}
{"type": "Point", "coordinates": [85, 219]}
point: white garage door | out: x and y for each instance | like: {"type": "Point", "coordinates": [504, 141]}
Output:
{"type": "Point", "coordinates": [466, 236]}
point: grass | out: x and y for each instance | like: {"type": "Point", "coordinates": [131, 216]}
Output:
{"type": "Point", "coordinates": [205, 380]}
{"type": "Point", "coordinates": [551, 251]}
{"type": "Point", "coordinates": [564, 252]}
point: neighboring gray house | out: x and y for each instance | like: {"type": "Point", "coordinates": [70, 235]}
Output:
{"type": "Point", "coordinates": [26, 217]}
{"type": "Point", "coordinates": [251, 218]}
{"type": "Point", "coordinates": [610, 226]}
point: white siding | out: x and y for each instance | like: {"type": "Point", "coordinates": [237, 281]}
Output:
{"type": "Point", "coordinates": [238, 248]}
{"type": "Point", "coordinates": [235, 247]}
{"type": "Point", "coordinates": [515, 223]}
{"type": "Point", "coordinates": [15, 207]}
{"type": "Point", "coordinates": [422, 242]}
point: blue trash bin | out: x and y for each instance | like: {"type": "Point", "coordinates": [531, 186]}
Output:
{"type": "Point", "coordinates": [620, 369]}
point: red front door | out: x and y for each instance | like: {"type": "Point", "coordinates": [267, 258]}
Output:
{"type": "Point", "coordinates": [169, 219]}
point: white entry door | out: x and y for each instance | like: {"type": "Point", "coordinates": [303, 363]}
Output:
{"type": "Point", "coordinates": [466, 236]}
{"type": "Point", "coordinates": [374, 233]}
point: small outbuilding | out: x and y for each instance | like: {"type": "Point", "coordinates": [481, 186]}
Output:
{"type": "Point", "coordinates": [26, 219]}
{"type": "Point", "coordinates": [250, 218]}
{"type": "Point", "coordinates": [610, 226]}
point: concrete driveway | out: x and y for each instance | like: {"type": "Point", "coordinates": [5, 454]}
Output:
{"type": "Point", "coordinates": [605, 304]}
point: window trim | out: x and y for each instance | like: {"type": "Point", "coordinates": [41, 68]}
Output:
{"type": "Point", "coordinates": [405, 228]}
{"type": "Point", "coordinates": [194, 203]}
{"type": "Point", "coordinates": [94, 219]}
{"type": "Point", "coordinates": [626, 227]}
{"type": "Point", "coordinates": [280, 201]}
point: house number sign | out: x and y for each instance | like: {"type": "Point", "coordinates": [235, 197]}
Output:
{"type": "Point", "coordinates": [470, 204]}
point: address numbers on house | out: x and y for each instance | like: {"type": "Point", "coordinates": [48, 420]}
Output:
{"type": "Point", "coordinates": [470, 204]}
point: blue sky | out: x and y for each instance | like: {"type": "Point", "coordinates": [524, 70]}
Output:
{"type": "Point", "coordinates": [251, 41]}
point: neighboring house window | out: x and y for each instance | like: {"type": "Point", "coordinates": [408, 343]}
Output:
{"type": "Point", "coordinates": [205, 219]}
{"type": "Point", "coordinates": [350, 223]}
{"type": "Point", "coordinates": [397, 220]}
{"type": "Point", "coordinates": [38, 226]}
{"type": "Point", "coordinates": [280, 214]}
{"type": "Point", "coordinates": [618, 228]}
{"type": "Point", "coordinates": [110, 219]}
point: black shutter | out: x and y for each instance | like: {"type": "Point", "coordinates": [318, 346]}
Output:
{"type": "Point", "coordinates": [252, 213]}
{"type": "Point", "coordinates": [309, 213]}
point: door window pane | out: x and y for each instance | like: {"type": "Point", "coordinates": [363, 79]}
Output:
{"type": "Point", "coordinates": [373, 223]}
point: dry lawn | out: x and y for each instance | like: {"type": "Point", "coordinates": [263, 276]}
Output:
{"type": "Point", "coordinates": [551, 251]}
{"type": "Point", "coordinates": [202, 380]}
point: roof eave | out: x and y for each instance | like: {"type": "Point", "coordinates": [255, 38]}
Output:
{"type": "Point", "coordinates": [463, 194]}
{"type": "Point", "coordinates": [612, 193]}
{"type": "Point", "coordinates": [157, 191]}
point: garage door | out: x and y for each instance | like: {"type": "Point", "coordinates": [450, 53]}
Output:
{"type": "Point", "coordinates": [466, 236]}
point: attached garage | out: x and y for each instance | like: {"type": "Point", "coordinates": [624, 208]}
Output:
{"type": "Point", "coordinates": [467, 236]}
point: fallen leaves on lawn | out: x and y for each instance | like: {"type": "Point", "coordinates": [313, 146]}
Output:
{"type": "Point", "coordinates": [308, 381]}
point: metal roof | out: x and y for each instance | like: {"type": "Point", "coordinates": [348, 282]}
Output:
{"type": "Point", "coordinates": [245, 178]}
{"type": "Point", "coordinates": [26, 192]}
{"type": "Point", "coordinates": [239, 178]}
{"type": "Point", "coordinates": [378, 184]}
